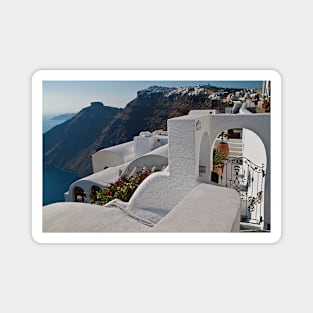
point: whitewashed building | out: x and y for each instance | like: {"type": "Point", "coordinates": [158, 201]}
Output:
{"type": "Point", "coordinates": [180, 196]}
{"type": "Point", "coordinates": [145, 150]}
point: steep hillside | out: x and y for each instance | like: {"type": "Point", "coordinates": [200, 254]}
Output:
{"type": "Point", "coordinates": [65, 145]}
{"type": "Point", "coordinates": [149, 111]}
{"type": "Point", "coordinates": [69, 146]}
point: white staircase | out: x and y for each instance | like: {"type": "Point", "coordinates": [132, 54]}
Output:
{"type": "Point", "coordinates": [235, 147]}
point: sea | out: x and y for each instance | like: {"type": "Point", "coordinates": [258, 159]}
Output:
{"type": "Point", "coordinates": [55, 181]}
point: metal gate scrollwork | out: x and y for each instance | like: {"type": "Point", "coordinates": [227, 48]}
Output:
{"type": "Point", "coordinates": [248, 179]}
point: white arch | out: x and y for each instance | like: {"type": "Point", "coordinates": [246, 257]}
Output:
{"type": "Point", "coordinates": [253, 150]}
{"type": "Point", "coordinates": [258, 124]}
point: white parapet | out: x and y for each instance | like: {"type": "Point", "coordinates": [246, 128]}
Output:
{"type": "Point", "coordinates": [206, 208]}
{"type": "Point", "coordinates": [113, 156]}
{"type": "Point", "coordinates": [84, 217]}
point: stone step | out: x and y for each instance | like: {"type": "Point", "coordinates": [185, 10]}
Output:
{"type": "Point", "coordinates": [236, 144]}
{"type": "Point", "coordinates": [235, 153]}
{"type": "Point", "coordinates": [235, 148]}
{"type": "Point", "coordinates": [234, 140]}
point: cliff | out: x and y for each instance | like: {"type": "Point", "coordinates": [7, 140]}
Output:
{"type": "Point", "coordinates": [69, 146]}
{"type": "Point", "coordinates": [66, 146]}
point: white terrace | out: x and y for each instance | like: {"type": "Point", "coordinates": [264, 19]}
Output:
{"type": "Point", "coordinates": [180, 198]}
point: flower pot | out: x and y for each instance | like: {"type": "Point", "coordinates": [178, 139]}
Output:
{"type": "Point", "coordinates": [223, 148]}
{"type": "Point", "coordinates": [218, 169]}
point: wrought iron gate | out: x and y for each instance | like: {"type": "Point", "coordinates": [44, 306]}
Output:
{"type": "Point", "coordinates": [248, 179]}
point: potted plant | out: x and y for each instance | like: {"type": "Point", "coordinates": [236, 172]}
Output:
{"type": "Point", "coordinates": [223, 146]}
{"type": "Point", "coordinates": [218, 164]}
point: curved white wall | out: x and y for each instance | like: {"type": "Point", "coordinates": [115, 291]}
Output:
{"type": "Point", "coordinates": [160, 191]}
{"type": "Point", "coordinates": [253, 147]}
{"type": "Point", "coordinates": [148, 160]}
{"type": "Point", "coordinates": [99, 179]}
{"type": "Point", "coordinates": [106, 158]}
{"type": "Point", "coordinates": [113, 156]}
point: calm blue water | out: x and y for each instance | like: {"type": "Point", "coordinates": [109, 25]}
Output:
{"type": "Point", "coordinates": [55, 181]}
{"type": "Point", "coordinates": [48, 123]}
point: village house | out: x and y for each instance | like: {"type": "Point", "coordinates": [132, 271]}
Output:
{"type": "Point", "coordinates": [183, 193]}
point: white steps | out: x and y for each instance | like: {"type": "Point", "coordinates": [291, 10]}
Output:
{"type": "Point", "coordinates": [235, 147]}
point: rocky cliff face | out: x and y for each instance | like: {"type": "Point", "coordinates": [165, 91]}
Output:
{"type": "Point", "coordinates": [66, 146]}
{"type": "Point", "coordinates": [69, 146]}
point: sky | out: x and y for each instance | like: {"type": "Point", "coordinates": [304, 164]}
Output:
{"type": "Point", "coordinates": [71, 96]}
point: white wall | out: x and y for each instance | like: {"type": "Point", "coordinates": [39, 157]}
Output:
{"type": "Point", "coordinates": [100, 179]}
{"type": "Point", "coordinates": [253, 147]}
{"type": "Point", "coordinates": [105, 158]}
{"type": "Point", "coordinates": [165, 190]}
{"type": "Point", "coordinates": [143, 144]}
{"type": "Point", "coordinates": [254, 150]}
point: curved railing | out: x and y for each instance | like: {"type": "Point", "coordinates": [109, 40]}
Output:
{"type": "Point", "coordinates": [248, 178]}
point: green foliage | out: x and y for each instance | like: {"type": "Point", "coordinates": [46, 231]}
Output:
{"type": "Point", "coordinates": [123, 189]}
{"type": "Point", "coordinates": [218, 157]}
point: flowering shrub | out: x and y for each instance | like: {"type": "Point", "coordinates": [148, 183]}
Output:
{"type": "Point", "coordinates": [122, 189]}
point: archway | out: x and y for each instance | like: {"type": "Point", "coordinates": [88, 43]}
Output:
{"type": "Point", "coordinates": [93, 192]}
{"type": "Point", "coordinates": [79, 194]}
{"type": "Point", "coordinates": [243, 169]}
{"type": "Point", "coordinates": [204, 163]}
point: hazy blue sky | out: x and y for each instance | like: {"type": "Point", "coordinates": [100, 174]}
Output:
{"type": "Point", "coordinates": [72, 96]}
